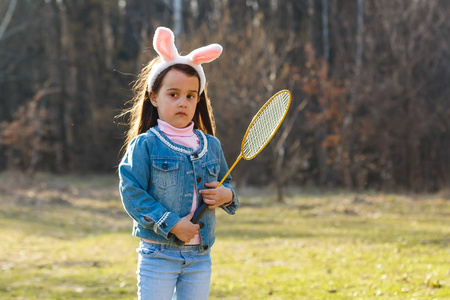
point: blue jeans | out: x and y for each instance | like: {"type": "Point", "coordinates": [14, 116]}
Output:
{"type": "Point", "coordinates": [164, 273]}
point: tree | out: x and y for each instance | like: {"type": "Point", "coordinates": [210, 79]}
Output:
{"type": "Point", "coordinates": [373, 75]}
{"type": "Point", "coordinates": [7, 18]}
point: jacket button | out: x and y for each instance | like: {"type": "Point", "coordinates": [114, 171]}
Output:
{"type": "Point", "coordinates": [205, 247]}
{"type": "Point", "coordinates": [214, 170]}
{"type": "Point", "coordinates": [195, 155]}
{"type": "Point", "coordinates": [163, 225]}
{"type": "Point", "coordinates": [199, 179]}
{"type": "Point", "coordinates": [202, 225]}
{"type": "Point", "coordinates": [165, 166]}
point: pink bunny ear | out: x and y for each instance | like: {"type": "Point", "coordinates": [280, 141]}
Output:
{"type": "Point", "coordinates": [163, 43]}
{"type": "Point", "coordinates": [205, 54]}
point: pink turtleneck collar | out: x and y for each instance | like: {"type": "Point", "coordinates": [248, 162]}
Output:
{"type": "Point", "coordinates": [182, 136]}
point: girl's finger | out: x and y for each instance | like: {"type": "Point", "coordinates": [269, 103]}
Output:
{"type": "Point", "coordinates": [212, 184]}
{"type": "Point", "coordinates": [209, 201]}
{"type": "Point", "coordinates": [208, 192]}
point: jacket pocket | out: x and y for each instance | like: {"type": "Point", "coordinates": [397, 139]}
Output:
{"type": "Point", "coordinates": [147, 250]}
{"type": "Point", "coordinates": [165, 172]}
{"type": "Point", "coordinates": [213, 170]}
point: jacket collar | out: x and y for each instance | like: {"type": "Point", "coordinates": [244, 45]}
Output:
{"type": "Point", "coordinates": [199, 153]}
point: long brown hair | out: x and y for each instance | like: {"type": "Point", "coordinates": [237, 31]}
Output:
{"type": "Point", "coordinates": [143, 115]}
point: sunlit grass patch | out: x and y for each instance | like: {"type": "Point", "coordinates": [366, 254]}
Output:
{"type": "Point", "coordinates": [68, 238]}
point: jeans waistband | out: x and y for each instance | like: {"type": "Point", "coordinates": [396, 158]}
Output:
{"type": "Point", "coordinates": [172, 246]}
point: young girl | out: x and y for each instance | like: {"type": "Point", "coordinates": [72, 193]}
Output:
{"type": "Point", "coordinates": [172, 163]}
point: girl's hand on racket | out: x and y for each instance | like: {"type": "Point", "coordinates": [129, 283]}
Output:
{"type": "Point", "coordinates": [185, 230]}
{"type": "Point", "coordinates": [215, 197]}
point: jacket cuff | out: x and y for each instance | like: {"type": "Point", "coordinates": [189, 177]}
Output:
{"type": "Point", "coordinates": [165, 224]}
{"type": "Point", "coordinates": [232, 206]}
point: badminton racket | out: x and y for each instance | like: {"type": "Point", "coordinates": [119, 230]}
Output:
{"type": "Point", "coordinates": [262, 128]}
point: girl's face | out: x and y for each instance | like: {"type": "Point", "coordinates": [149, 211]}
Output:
{"type": "Point", "coordinates": [177, 98]}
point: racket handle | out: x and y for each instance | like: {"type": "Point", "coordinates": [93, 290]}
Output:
{"type": "Point", "coordinates": [195, 219]}
{"type": "Point", "coordinates": [202, 208]}
{"type": "Point", "coordinates": [199, 213]}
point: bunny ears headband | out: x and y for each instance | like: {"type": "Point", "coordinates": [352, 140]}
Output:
{"type": "Point", "coordinates": [163, 43]}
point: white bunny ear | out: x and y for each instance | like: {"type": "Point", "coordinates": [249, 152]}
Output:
{"type": "Point", "coordinates": [163, 43]}
{"type": "Point", "coordinates": [205, 54]}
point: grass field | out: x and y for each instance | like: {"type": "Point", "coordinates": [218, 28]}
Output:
{"type": "Point", "coordinates": [67, 237]}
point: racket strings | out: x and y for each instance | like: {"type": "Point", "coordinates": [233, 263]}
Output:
{"type": "Point", "coordinates": [265, 124]}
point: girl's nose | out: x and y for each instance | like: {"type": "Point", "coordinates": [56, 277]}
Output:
{"type": "Point", "coordinates": [183, 102]}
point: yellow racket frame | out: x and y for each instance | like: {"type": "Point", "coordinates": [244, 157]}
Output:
{"type": "Point", "coordinates": [261, 110]}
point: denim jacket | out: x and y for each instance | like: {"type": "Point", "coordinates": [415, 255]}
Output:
{"type": "Point", "coordinates": [157, 179]}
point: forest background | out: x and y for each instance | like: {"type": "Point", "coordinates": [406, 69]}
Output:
{"type": "Point", "coordinates": [369, 80]}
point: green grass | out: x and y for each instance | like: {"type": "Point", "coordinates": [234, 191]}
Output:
{"type": "Point", "coordinates": [67, 237]}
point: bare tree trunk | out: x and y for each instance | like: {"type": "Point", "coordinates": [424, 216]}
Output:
{"type": "Point", "coordinates": [322, 131]}
{"type": "Point", "coordinates": [358, 59]}
{"type": "Point", "coordinates": [40, 98]}
{"type": "Point", "coordinates": [347, 148]}
{"type": "Point", "coordinates": [177, 19]}
{"type": "Point", "coordinates": [70, 85]}
{"type": "Point", "coordinates": [348, 120]}
{"type": "Point", "coordinates": [325, 32]}
{"type": "Point", "coordinates": [8, 16]}
{"type": "Point", "coordinates": [359, 37]}
{"type": "Point", "coordinates": [279, 153]}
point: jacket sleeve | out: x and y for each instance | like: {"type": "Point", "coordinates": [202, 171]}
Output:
{"type": "Point", "coordinates": [233, 206]}
{"type": "Point", "coordinates": [134, 174]}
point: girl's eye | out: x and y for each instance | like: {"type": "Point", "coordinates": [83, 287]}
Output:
{"type": "Point", "coordinates": [173, 95]}
{"type": "Point", "coordinates": [191, 96]}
